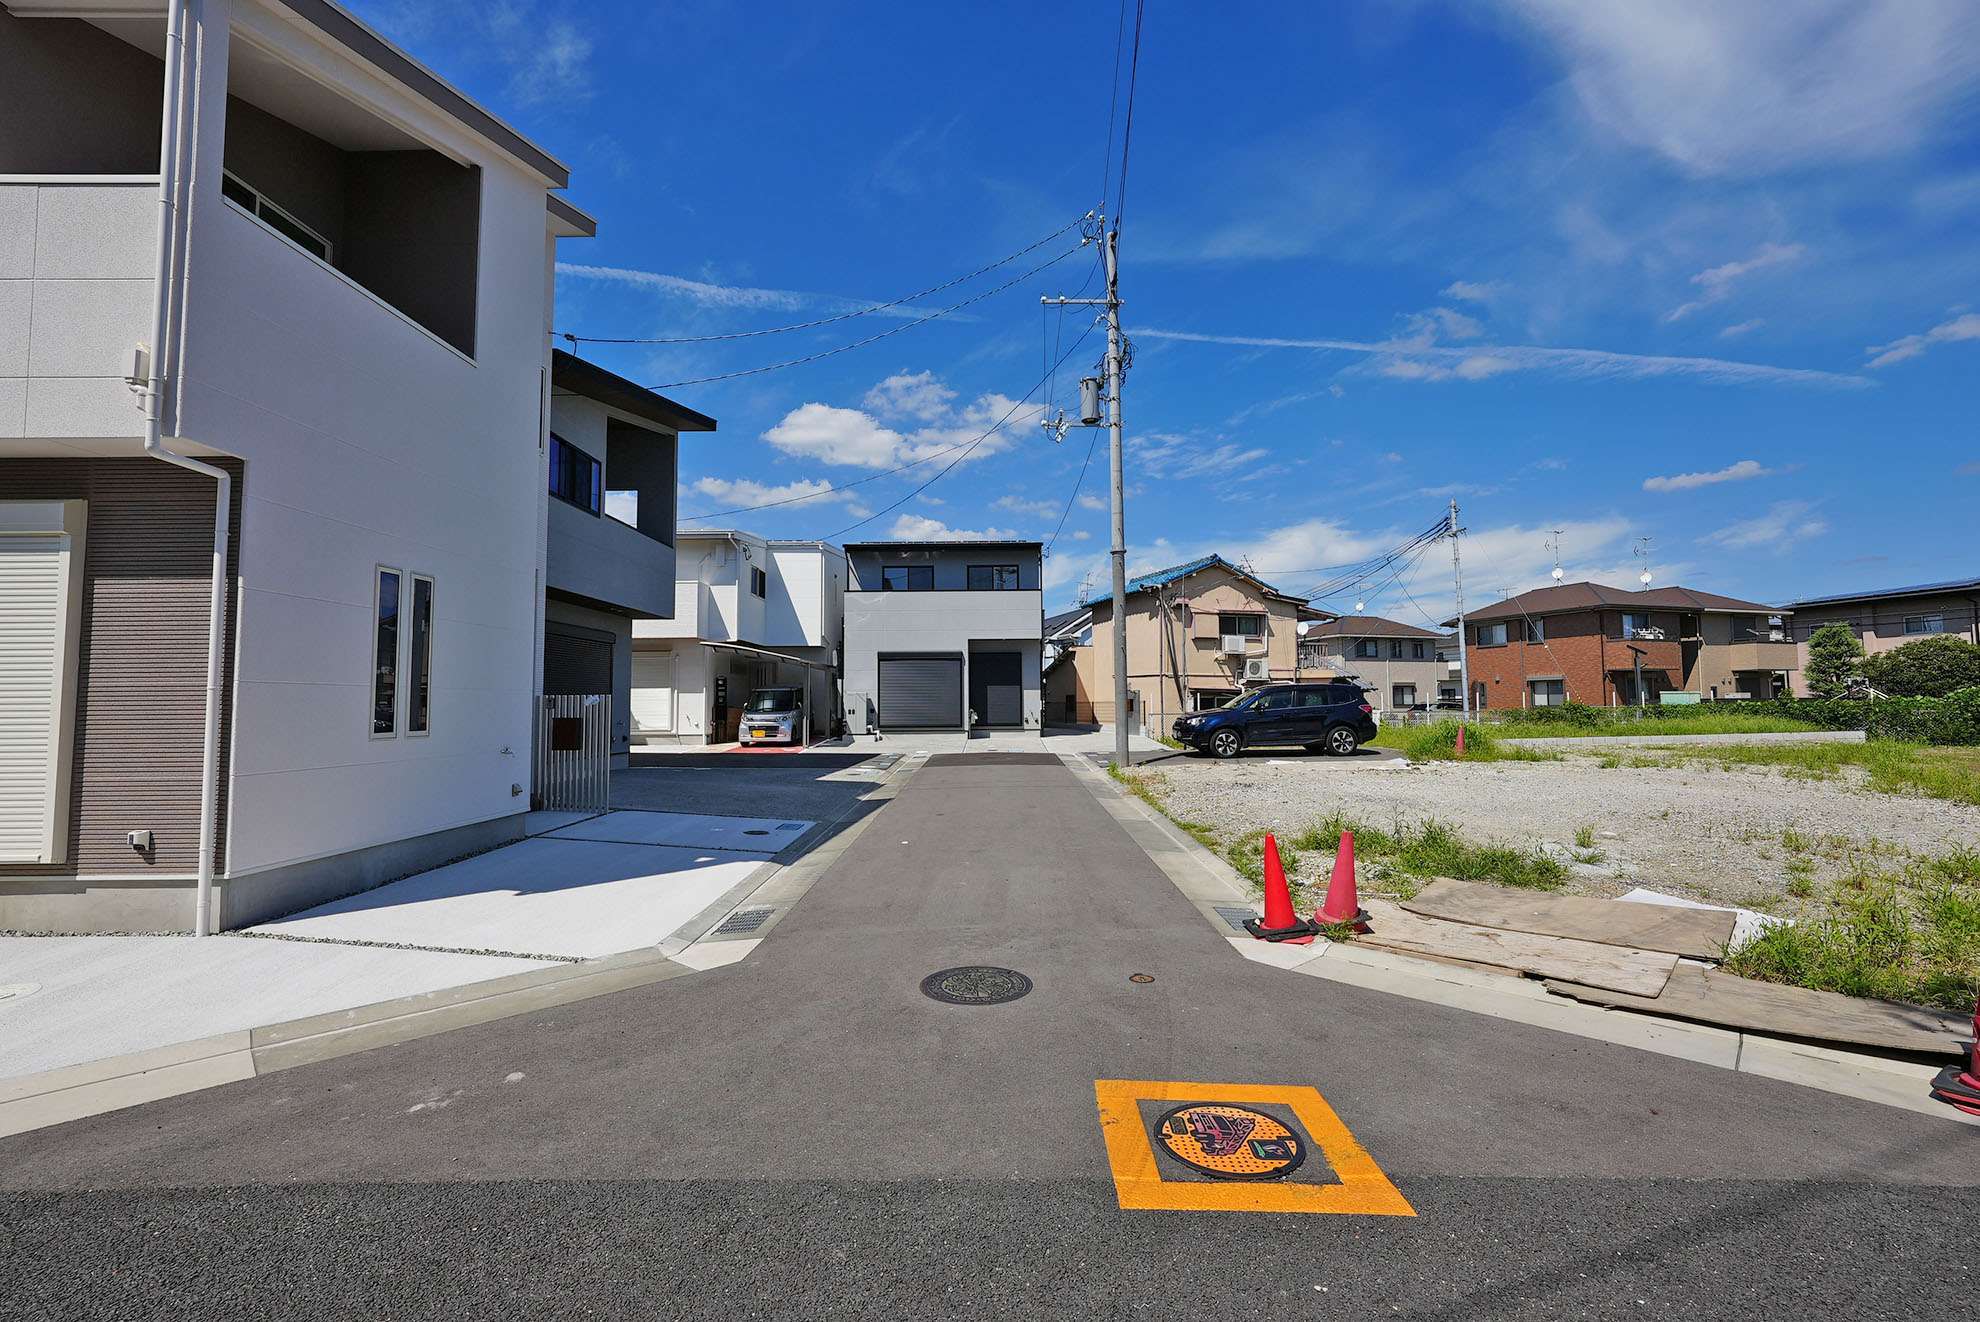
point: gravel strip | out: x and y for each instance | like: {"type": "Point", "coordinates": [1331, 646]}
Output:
{"type": "Point", "coordinates": [1699, 832]}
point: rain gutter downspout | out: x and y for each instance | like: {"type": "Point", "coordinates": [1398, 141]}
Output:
{"type": "Point", "coordinates": [156, 372]}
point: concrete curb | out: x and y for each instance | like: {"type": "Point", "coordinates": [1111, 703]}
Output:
{"type": "Point", "coordinates": [1205, 880]}
{"type": "Point", "coordinates": [73, 1092]}
{"type": "Point", "coordinates": [1558, 742]}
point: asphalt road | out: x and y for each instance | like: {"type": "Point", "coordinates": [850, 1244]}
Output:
{"type": "Point", "coordinates": [805, 1134]}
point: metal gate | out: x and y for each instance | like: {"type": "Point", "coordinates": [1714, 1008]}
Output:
{"type": "Point", "coordinates": [574, 752]}
{"type": "Point", "coordinates": [921, 692]}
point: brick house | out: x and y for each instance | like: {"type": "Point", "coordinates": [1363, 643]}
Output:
{"type": "Point", "coordinates": [1589, 643]}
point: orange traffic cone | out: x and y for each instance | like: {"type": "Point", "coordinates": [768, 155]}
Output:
{"type": "Point", "coordinates": [1281, 922]}
{"type": "Point", "coordinates": [1961, 1087]}
{"type": "Point", "coordinates": [1460, 739]}
{"type": "Point", "coordinates": [1343, 904]}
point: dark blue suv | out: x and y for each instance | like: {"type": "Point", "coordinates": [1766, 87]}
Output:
{"type": "Point", "coordinates": [1327, 717]}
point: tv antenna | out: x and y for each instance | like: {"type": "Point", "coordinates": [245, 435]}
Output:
{"type": "Point", "coordinates": [1555, 546]}
{"type": "Point", "coordinates": [1643, 558]}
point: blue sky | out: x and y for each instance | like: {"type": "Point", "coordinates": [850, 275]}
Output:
{"type": "Point", "coordinates": [1699, 272]}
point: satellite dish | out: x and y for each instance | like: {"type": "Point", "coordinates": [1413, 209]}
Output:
{"type": "Point", "coordinates": [1358, 606]}
{"type": "Point", "coordinates": [1557, 573]}
{"type": "Point", "coordinates": [1644, 578]}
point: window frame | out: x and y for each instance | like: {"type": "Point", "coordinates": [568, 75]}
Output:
{"type": "Point", "coordinates": [759, 583]}
{"type": "Point", "coordinates": [996, 574]}
{"type": "Point", "coordinates": [1256, 617]}
{"type": "Point", "coordinates": [561, 447]}
{"type": "Point", "coordinates": [1417, 652]}
{"type": "Point", "coordinates": [909, 572]}
{"type": "Point", "coordinates": [1922, 631]}
{"type": "Point", "coordinates": [375, 650]}
{"type": "Point", "coordinates": [418, 668]}
{"type": "Point", "coordinates": [1536, 629]}
{"type": "Point", "coordinates": [1533, 687]}
{"type": "Point", "coordinates": [1368, 649]}
{"type": "Point", "coordinates": [260, 203]}
{"type": "Point", "coordinates": [1396, 698]}
{"type": "Point", "coordinates": [1479, 638]}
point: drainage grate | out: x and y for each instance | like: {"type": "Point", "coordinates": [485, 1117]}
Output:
{"type": "Point", "coordinates": [792, 826]}
{"type": "Point", "coordinates": [743, 920]}
{"type": "Point", "coordinates": [1235, 916]}
{"type": "Point", "coordinates": [975, 984]}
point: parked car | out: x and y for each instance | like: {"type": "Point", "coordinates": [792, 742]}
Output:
{"type": "Point", "coordinates": [1322, 717]}
{"type": "Point", "coordinates": [772, 716]}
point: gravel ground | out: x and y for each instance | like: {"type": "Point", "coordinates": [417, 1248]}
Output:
{"type": "Point", "coordinates": [1707, 834]}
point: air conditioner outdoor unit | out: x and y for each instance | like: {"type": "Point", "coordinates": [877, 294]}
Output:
{"type": "Point", "coordinates": [1234, 642]}
{"type": "Point", "coordinates": [1257, 668]}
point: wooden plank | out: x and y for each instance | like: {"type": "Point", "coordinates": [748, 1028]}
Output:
{"type": "Point", "coordinates": [1635, 972]}
{"type": "Point", "coordinates": [1697, 933]}
{"type": "Point", "coordinates": [1705, 996]}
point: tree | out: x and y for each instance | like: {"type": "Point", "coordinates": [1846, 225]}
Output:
{"type": "Point", "coordinates": [1834, 658]}
{"type": "Point", "coordinates": [1929, 668]}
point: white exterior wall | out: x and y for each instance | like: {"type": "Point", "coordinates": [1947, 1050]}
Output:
{"type": "Point", "coordinates": [368, 442]}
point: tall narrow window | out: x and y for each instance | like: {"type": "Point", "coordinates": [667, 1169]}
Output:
{"type": "Point", "coordinates": [419, 663]}
{"type": "Point", "coordinates": [385, 656]}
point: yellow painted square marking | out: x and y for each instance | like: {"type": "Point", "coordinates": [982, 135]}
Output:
{"type": "Point", "coordinates": [1364, 1190]}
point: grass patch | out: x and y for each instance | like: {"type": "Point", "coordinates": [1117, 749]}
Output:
{"type": "Point", "coordinates": [1712, 723]}
{"type": "Point", "coordinates": [1950, 773]}
{"type": "Point", "coordinates": [1433, 849]}
{"type": "Point", "coordinates": [1911, 936]}
{"type": "Point", "coordinates": [1437, 742]}
{"type": "Point", "coordinates": [1147, 789]}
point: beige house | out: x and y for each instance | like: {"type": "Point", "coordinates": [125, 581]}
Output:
{"type": "Point", "coordinates": [1887, 618]}
{"type": "Point", "coordinates": [1395, 663]}
{"type": "Point", "coordinates": [1197, 635]}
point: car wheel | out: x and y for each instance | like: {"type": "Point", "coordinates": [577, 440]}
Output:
{"type": "Point", "coordinates": [1225, 743]}
{"type": "Point", "coordinates": [1342, 740]}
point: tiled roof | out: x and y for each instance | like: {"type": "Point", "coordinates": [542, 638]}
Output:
{"type": "Point", "coordinates": [1054, 623]}
{"type": "Point", "coordinates": [1915, 590]}
{"type": "Point", "coordinates": [1368, 626]}
{"type": "Point", "coordinates": [1591, 596]}
{"type": "Point", "coordinates": [1164, 577]}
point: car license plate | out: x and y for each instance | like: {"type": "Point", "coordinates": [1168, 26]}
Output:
{"type": "Point", "coordinates": [761, 732]}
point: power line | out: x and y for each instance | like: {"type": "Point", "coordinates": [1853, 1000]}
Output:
{"type": "Point", "coordinates": [825, 321]}
{"type": "Point", "coordinates": [986, 434]}
{"type": "Point", "coordinates": [872, 339]}
{"type": "Point", "coordinates": [1113, 103]}
{"type": "Point", "coordinates": [1073, 495]}
{"type": "Point", "coordinates": [1127, 130]}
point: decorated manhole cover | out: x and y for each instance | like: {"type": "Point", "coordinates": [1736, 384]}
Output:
{"type": "Point", "coordinates": [975, 984]}
{"type": "Point", "coordinates": [1230, 1142]}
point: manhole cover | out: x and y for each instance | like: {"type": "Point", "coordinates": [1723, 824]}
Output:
{"type": "Point", "coordinates": [975, 984]}
{"type": "Point", "coordinates": [1141, 977]}
{"type": "Point", "coordinates": [754, 830]}
{"type": "Point", "coordinates": [1230, 1142]}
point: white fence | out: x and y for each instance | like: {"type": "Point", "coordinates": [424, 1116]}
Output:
{"type": "Point", "coordinates": [574, 752]}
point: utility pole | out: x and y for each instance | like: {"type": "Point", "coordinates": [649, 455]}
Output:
{"type": "Point", "coordinates": [1457, 581]}
{"type": "Point", "coordinates": [1114, 368]}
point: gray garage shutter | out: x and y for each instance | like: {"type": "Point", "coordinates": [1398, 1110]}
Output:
{"type": "Point", "coordinates": [921, 692]}
{"type": "Point", "coordinates": [573, 663]}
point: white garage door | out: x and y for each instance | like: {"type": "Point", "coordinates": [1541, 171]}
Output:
{"type": "Point", "coordinates": [40, 571]}
{"type": "Point", "coordinates": [653, 693]}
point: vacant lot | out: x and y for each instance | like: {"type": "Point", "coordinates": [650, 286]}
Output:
{"type": "Point", "coordinates": [1750, 836]}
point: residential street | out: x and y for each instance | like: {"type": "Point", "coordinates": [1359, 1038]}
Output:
{"type": "Point", "coordinates": [805, 1134]}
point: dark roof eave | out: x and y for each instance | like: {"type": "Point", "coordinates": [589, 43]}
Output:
{"type": "Point", "coordinates": [590, 380]}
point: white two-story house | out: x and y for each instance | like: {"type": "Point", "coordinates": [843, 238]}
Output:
{"type": "Point", "coordinates": [274, 379]}
{"type": "Point", "coordinates": [749, 612]}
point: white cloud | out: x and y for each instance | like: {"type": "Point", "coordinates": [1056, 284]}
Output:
{"type": "Point", "coordinates": [918, 528]}
{"type": "Point", "coordinates": [707, 294]}
{"type": "Point", "coordinates": [1019, 505]}
{"type": "Point", "coordinates": [1733, 332]}
{"type": "Point", "coordinates": [1475, 291]}
{"type": "Point", "coordinates": [1965, 327]}
{"type": "Point", "coordinates": [1736, 88]}
{"type": "Point", "coordinates": [1167, 455]}
{"type": "Point", "coordinates": [1081, 535]}
{"type": "Point", "coordinates": [1715, 284]}
{"type": "Point", "coordinates": [1785, 523]}
{"type": "Point", "coordinates": [854, 437]}
{"type": "Point", "coordinates": [745, 491]}
{"type": "Point", "coordinates": [1573, 364]}
{"type": "Point", "coordinates": [1739, 472]}
{"type": "Point", "coordinates": [916, 395]}
{"type": "Point", "coordinates": [1094, 503]}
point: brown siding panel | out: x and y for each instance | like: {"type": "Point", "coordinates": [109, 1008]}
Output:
{"type": "Point", "coordinates": [141, 703]}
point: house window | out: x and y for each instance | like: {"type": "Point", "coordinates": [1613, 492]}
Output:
{"type": "Point", "coordinates": [1636, 625]}
{"type": "Point", "coordinates": [251, 201]}
{"type": "Point", "coordinates": [575, 477]}
{"type": "Point", "coordinates": [1491, 635]}
{"type": "Point", "coordinates": [385, 655]}
{"type": "Point", "coordinates": [1402, 695]}
{"type": "Point", "coordinates": [759, 582]}
{"type": "Point", "coordinates": [1395, 649]}
{"type": "Point", "coordinates": [1367, 649]}
{"type": "Point", "coordinates": [1416, 652]}
{"type": "Point", "coordinates": [1933, 623]}
{"type": "Point", "coordinates": [907, 578]}
{"type": "Point", "coordinates": [1231, 624]}
{"type": "Point", "coordinates": [993, 578]}
{"type": "Point", "coordinates": [1547, 692]}
{"type": "Point", "coordinates": [1537, 630]}
{"type": "Point", "coordinates": [419, 665]}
